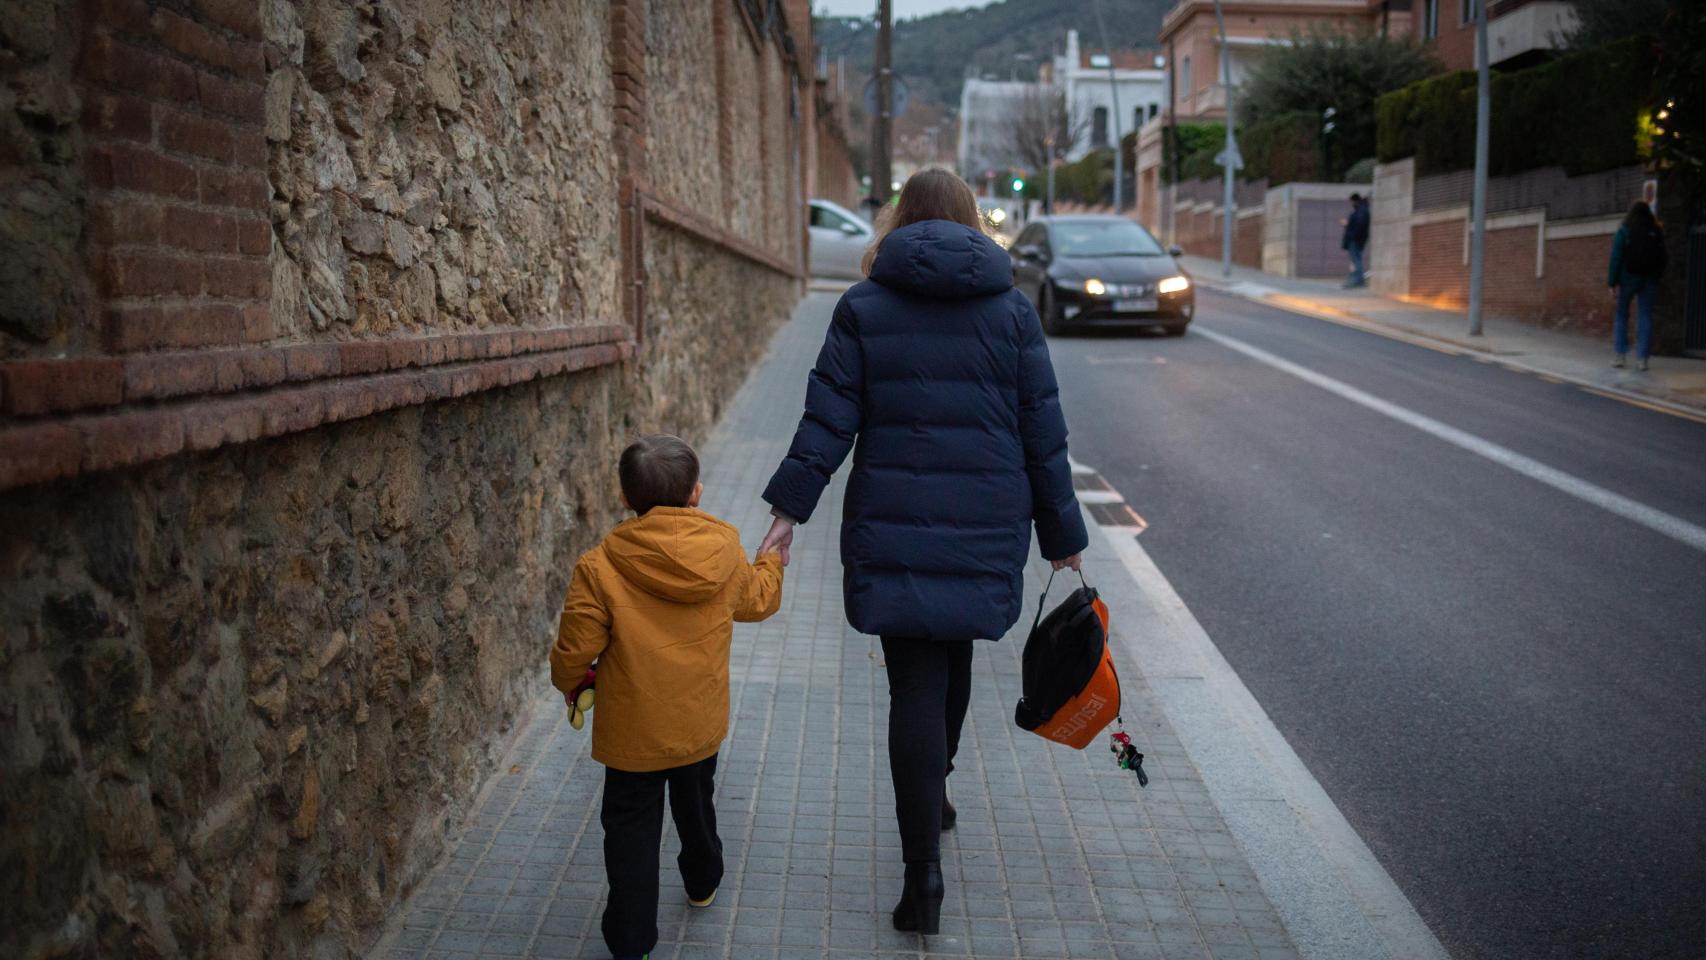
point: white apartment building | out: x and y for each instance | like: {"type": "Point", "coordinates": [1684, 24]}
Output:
{"type": "Point", "coordinates": [1138, 78]}
{"type": "Point", "coordinates": [985, 131]}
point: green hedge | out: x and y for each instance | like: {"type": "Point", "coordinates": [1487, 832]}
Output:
{"type": "Point", "coordinates": [1280, 149]}
{"type": "Point", "coordinates": [1578, 112]}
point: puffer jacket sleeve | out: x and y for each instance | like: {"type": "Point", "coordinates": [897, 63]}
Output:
{"type": "Point", "coordinates": [1042, 427]}
{"type": "Point", "coordinates": [835, 395]}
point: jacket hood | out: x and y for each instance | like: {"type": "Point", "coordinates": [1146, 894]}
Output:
{"type": "Point", "coordinates": [941, 258]}
{"type": "Point", "coordinates": [677, 553]}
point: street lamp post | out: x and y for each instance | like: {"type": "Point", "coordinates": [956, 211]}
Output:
{"type": "Point", "coordinates": [1048, 196]}
{"type": "Point", "coordinates": [1483, 126]}
{"type": "Point", "coordinates": [1114, 92]}
{"type": "Point", "coordinates": [1229, 155]}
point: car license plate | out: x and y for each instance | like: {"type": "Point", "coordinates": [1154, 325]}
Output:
{"type": "Point", "coordinates": [1134, 306]}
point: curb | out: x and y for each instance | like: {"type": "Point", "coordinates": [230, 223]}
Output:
{"type": "Point", "coordinates": [1658, 402]}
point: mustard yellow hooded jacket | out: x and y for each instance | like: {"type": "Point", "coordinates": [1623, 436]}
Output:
{"type": "Point", "coordinates": [655, 605]}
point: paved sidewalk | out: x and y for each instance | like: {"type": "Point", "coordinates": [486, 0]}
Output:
{"type": "Point", "coordinates": [1573, 357]}
{"type": "Point", "coordinates": [1057, 854]}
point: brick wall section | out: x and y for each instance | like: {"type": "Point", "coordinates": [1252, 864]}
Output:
{"type": "Point", "coordinates": [1437, 272]}
{"type": "Point", "coordinates": [176, 164]}
{"type": "Point", "coordinates": [1571, 294]}
{"type": "Point", "coordinates": [1576, 295]}
{"type": "Point", "coordinates": [1247, 242]}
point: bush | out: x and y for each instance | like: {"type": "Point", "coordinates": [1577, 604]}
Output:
{"type": "Point", "coordinates": [1198, 143]}
{"type": "Point", "coordinates": [1282, 148]}
{"type": "Point", "coordinates": [1089, 180]}
{"type": "Point", "coordinates": [1361, 172]}
{"type": "Point", "coordinates": [1603, 90]}
{"type": "Point", "coordinates": [1291, 86]}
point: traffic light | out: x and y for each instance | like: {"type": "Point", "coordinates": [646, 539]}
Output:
{"type": "Point", "coordinates": [1018, 185]}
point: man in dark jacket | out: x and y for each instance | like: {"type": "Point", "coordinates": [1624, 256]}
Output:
{"type": "Point", "coordinates": [1355, 239]}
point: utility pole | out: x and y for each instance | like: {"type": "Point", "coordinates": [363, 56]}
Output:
{"type": "Point", "coordinates": [1483, 127]}
{"type": "Point", "coordinates": [1048, 196]}
{"type": "Point", "coordinates": [882, 169]}
{"type": "Point", "coordinates": [1230, 160]}
{"type": "Point", "coordinates": [1114, 92]}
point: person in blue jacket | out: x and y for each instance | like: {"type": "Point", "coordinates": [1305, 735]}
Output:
{"type": "Point", "coordinates": [1637, 264]}
{"type": "Point", "coordinates": [935, 374]}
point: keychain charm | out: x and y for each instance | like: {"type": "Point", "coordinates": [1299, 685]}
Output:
{"type": "Point", "coordinates": [1128, 757]}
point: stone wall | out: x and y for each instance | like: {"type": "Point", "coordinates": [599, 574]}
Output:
{"type": "Point", "coordinates": [320, 328]}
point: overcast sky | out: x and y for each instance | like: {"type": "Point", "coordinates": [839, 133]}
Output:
{"type": "Point", "coordinates": [902, 8]}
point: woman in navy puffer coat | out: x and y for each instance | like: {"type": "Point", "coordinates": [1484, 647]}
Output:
{"type": "Point", "coordinates": [937, 367]}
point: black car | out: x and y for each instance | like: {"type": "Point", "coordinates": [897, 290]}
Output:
{"type": "Point", "coordinates": [1088, 270]}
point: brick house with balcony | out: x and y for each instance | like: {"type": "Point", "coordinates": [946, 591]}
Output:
{"type": "Point", "coordinates": [1190, 41]}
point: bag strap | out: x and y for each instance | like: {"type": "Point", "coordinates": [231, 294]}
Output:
{"type": "Point", "coordinates": [1042, 600]}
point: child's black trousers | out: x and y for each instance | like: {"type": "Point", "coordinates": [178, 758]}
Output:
{"type": "Point", "coordinates": [633, 831]}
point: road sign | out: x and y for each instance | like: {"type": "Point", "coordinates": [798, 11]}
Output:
{"type": "Point", "coordinates": [900, 97]}
{"type": "Point", "coordinates": [1237, 157]}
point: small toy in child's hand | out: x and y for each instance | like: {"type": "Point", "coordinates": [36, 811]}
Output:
{"type": "Point", "coordinates": [1129, 758]}
{"type": "Point", "coordinates": [580, 699]}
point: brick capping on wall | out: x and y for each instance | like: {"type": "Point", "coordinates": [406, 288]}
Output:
{"type": "Point", "coordinates": [33, 452]}
{"type": "Point", "coordinates": [685, 220]}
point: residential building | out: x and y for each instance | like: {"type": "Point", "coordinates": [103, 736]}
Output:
{"type": "Point", "coordinates": [1133, 93]}
{"type": "Point", "coordinates": [985, 131]}
{"type": "Point", "coordinates": [1196, 89]}
{"type": "Point", "coordinates": [1519, 32]}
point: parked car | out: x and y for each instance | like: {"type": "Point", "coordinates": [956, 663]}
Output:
{"type": "Point", "coordinates": [839, 238]}
{"type": "Point", "coordinates": [1090, 270]}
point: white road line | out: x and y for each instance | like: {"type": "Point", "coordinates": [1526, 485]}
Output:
{"type": "Point", "coordinates": [1337, 902]}
{"type": "Point", "coordinates": [1653, 519]}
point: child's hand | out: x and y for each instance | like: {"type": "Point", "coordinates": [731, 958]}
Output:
{"type": "Point", "coordinates": [580, 699]}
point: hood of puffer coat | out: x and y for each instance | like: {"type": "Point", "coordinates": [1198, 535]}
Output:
{"type": "Point", "coordinates": [677, 553]}
{"type": "Point", "coordinates": [941, 258]}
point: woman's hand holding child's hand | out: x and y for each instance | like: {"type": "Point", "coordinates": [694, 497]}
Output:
{"type": "Point", "coordinates": [778, 539]}
{"type": "Point", "coordinates": [1073, 562]}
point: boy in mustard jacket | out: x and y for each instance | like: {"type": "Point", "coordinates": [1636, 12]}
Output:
{"type": "Point", "coordinates": [654, 605]}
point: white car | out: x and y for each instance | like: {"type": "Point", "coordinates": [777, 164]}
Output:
{"type": "Point", "coordinates": [839, 238]}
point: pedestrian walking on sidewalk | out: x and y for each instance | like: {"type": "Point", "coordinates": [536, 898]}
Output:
{"type": "Point", "coordinates": [1355, 239]}
{"type": "Point", "coordinates": [1637, 263]}
{"type": "Point", "coordinates": [938, 367]}
{"type": "Point", "coordinates": [653, 605]}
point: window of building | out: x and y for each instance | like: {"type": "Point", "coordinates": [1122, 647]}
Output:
{"type": "Point", "coordinates": [1154, 108]}
{"type": "Point", "coordinates": [1466, 11]}
{"type": "Point", "coordinates": [1430, 19]}
{"type": "Point", "coordinates": [1185, 73]}
{"type": "Point", "coordinates": [1099, 127]}
{"type": "Point", "coordinates": [1137, 118]}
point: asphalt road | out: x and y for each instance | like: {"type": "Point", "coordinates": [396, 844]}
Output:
{"type": "Point", "coordinates": [1502, 686]}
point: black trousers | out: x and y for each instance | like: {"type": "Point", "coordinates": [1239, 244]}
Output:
{"type": "Point", "coordinates": [929, 690]}
{"type": "Point", "coordinates": [633, 831]}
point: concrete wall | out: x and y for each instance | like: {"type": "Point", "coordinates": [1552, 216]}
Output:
{"type": "Point", "coordinates": [320, 329]}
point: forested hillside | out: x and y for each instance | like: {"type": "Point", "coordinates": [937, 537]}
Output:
{"type": "Point", "coordinates": [933, 53]}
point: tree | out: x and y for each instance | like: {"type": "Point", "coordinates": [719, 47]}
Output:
{"type": "Point", "coordinates": [1678, 117]}
{"type": "Point", "coordinates": [1599, 22]}
{"type": "Point", "coordinates": [1324, 68]}
{"type": "Point", "coordinates": [1040, 126]}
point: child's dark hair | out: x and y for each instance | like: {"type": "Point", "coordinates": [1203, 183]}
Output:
{"type": "Point", "coordinates": [658, 471]}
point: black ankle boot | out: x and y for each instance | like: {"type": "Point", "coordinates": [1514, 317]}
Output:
{"type": "Point", "coordinates": [949, 815]}
{"type": "Point", "coordinates": [920, 906]}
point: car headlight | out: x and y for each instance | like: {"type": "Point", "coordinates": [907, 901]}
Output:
{"type": "Point", "coordinates": [1174, 285]}
{"type": "Point", "coordinates": [1094, 287]}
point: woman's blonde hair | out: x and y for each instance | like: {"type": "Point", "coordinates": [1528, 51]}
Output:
{"type": "Point", "coordinates": [929, 194]}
